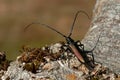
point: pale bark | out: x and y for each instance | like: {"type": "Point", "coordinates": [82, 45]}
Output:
{"type": "Point", "coordinates": [106, 23]}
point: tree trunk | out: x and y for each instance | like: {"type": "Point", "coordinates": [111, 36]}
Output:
{"type": "Point", "coordinates": [105, 26]}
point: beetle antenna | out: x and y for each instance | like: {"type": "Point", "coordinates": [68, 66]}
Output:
{"type": "Point", "coordinates": [45, 26]}
{"type": "Point", "coordinates": [97, 41]}
{"type": "Point", "coordinates": [71, 29]}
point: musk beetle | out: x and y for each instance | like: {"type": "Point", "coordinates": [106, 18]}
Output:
{"type": "Point", "coordinates": [73, 46]}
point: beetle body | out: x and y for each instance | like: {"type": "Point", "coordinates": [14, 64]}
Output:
{"type": "Point", "coordinates": [74, 48]}
{"type": "Point", "coordinates": [80, 53]}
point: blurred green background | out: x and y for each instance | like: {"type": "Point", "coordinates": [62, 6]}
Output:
{"type": "Point", "coordinates": [16, 14]}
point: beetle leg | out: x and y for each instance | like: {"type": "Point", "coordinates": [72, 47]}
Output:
{"type": "Point", "coordinates": [91, 54]}
{"type": "Point", "coordinates": [93, 60]}
{"type": "Point", "coordinates": [66, 49]}
{"type": "Point", "coordinates": [79, 43]}
{"type": "Point", "coordinates": [81, 46]}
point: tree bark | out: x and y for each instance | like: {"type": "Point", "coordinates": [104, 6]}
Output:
{"type": "Point", "coordinates": [106, 24]}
